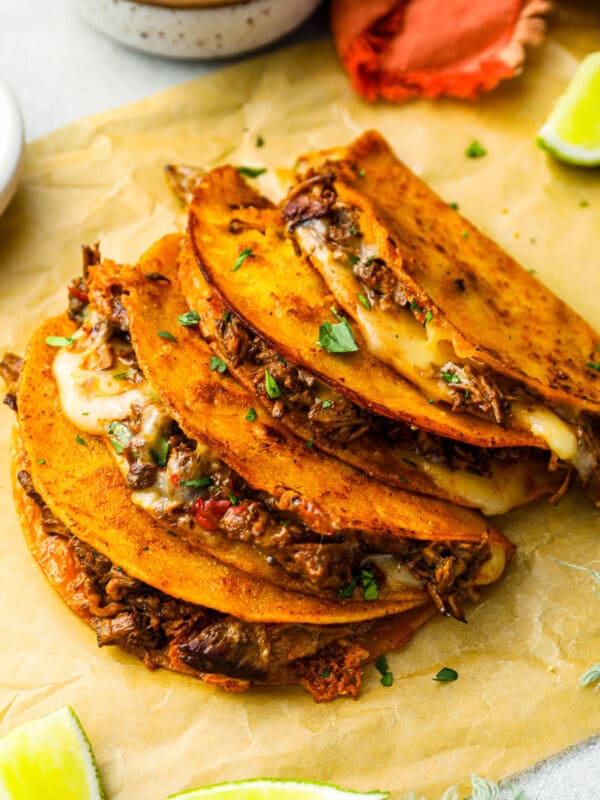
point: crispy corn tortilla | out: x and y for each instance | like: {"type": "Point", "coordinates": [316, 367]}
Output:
{"type": "Point", "coordinates": [505, 484]}
{"type": "Point", "coordinates": [279, 296]}
{"type": "Point", "coordinates": [84, 489]}
{"type": "Point", "coordinates": [503, 316]}
{"type": "Point", "coordinates": [61, 568]}
{"type": "Point", "coordinates": [211, 407]}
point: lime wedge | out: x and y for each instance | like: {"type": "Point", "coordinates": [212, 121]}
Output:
{"type": "Point", "coordinates": [49, 759]}
{"type": "Point", "coordinates": [272, 789]}
{"type": "Point", "coordinates": [572, 131]}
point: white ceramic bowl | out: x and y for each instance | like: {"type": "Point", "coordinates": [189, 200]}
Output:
{"type": "Point", "coordinates": [201, 29]}
{"type": "Point", "coordinates": [11, 145]}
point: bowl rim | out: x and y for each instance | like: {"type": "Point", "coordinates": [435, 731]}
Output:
{"type": "Point", "coordinates": [12, 143]}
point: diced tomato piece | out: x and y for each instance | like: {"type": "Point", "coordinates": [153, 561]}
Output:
{"type": "Point", "coordinates": [175, 479]}
{"type": "Point", "coordinates": [209, 512]}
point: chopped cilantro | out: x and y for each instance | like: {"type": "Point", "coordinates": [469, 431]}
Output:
{"type": "Point", "coordinates": [446, 674]}
{"type": "Point", "coordinates": [41, 461]}
{"type": "Point", "coordinates": [450, 377]}
{"type": "Point", "coordinates": [361, 173]}
{"type": "Point", "coordinates": [387, 679]}
{"type": "Point", "coordinates": [428, 317]}
{"type": "Point", "coordinates": [120, 433]}
{"type": "Point", "coordinates": [189, 318]}
{"type": "Point", "coordinates": [226, 316]}
{"type": "Point", "coordinates": [364, 301]}
{"type": "Point", "coordinates": [198, 483]}
{"type": "Point", "coordinates": [232, 499]}
{"type": "Point", "coordinates": [347, 590]}
{"type": "Point", "coordinates": [251, 172]}
{"type": "Point", "coordinates": [414, 306]}
{"type": "Point", "coordinates": [309, 443]}
{"type": "Point", "coordinates": [251, 415]}
{"type": "Point", "coordinates": [85, 413]}
{"type": "Point", "coordinates": [354, 231]}
{"type": "Point", "coordinates": [218, 364]}
{"type": "Point", "coordinates": [117, 445]}
{"type": "Point", "coordinates": [369, 584]}
{"type": "Point", "coordinates": [59, 341]}
{"type": "Point", "coordinates": [454, 206]}
{"type": "Point", "coordinates": [160, 453]}
{"type": "Point", "coordinates": [382, 665]}
{"type": "Point", "coordinates": [325, 674]}
{"type": "Point", "coordinates": [464, 234]}
{"type": "Point", "coordinates": [80, 440]}
{"type": "Point", "coordinates": [271, 386]}
{"type": "Point", "coordinates": [167, 335]}
{"type": "Point", "coordinates": [475, 150]}
{"type": "Point", "coordinates": [260, 141]}
{"type": "Point", "coordinates": [353, 259]}
{"type": "Point", "coordinates": [337, 337]}
{"type": "Point", "coordinates": [246, 253]}
{"type": "Point", "coordinates": [123, 376]}
{"type": "Point", "coordinates": [594, 365]}
{"type": "Point", "coordinates": [326, 403]}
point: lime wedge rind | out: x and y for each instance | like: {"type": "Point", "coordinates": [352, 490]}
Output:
{"type": "Point", "coordinates": [276, 789]}
{"type": "Point", "coordinates": [572, 131]}
{"type": "Point", "coordinates": [49, 758]}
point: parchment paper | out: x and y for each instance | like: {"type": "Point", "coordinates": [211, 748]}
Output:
{"type": "Point", "coordinates": [519, 658]}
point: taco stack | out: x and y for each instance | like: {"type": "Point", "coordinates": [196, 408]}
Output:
{"type": "Point", "coordinates": [217, 470]}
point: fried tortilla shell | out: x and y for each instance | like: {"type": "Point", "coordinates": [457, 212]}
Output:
{"type": "Point", "coordinates": [494, 481]}
{"type": "Point", "coordinates": [280, 297]}
{"type": "Point", "coordinates": [212, 407]}
{"type": "Point", "coordinates": [483, 301]}
{"type": "Point", "coordinates": [165, 632]}
{"type": "Point", "coordinates": [80, 483]}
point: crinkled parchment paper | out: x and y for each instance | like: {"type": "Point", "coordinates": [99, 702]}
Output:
{"type": "Point", "coordinates": [519, 658]}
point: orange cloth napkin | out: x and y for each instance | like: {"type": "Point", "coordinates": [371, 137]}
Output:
{"type": "Point", "coordinates": [395, 49]}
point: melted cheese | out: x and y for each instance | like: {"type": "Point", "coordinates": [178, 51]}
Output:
{"type": "Point", "coordinates": [415, 351]}
{"type": "Point", "coordinates": [91, 399]}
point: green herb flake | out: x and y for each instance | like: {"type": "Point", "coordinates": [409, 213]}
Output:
{"type": "Point", "coordinates": [431, 401]}
{"type": "Point", "coordinates": [464, 234]}
{"type": "Point", "coordinates": [309, 443]}
{"type": "Point", "coordinates": [198, 483]}
{"type": "Point", "coordinates": [337, 337]}
{"type": "Point", "coordinates": [450, 377]}
{"type": "Point", "coordinates": [80, 440]}
{"type": "Point", "coordinates": [353, 259]}
{"type": "Point", "coordinates": [226, 316]}
{"type": "Point", "coordinates": [190, 317]}
{"type": "Point", "coordinates": [361, 173]}
{"type": "Point", "coordinates": [354, 231]}
{"type": "Point", "coordinates": [160, 453]}
{"type": "Point", "coordinates": [428, 317]}
{"type": "Point", "coordinates": [41, 461]}
{"type": "Point", "coordinates": [446, 675]}
{"type": "Point", "coordinates": [594, 365]}
{"type": "Point", "coordinates": [251, 172]}
{"type": "Point", "coordinates": [369, 584]}
{"type": "Point", "coordinates": [246, 253]}
{"type": "Point", "coordinates": [85, 413]}
{"type": "Point", "coordinates": [271, 386]}
{"type": "Point", "coordinates": [382, 665]}
{"type": "Point", "coordinates": [167, 335]}
{"type": "Point", "coordinates": [326, 403]}
{"type": "Point", "coordinates": [232, 499]}
{"type": "Point", "coordinates": [325, 674]}
{"type": "Point", "coordinates": [260, 142]}
{"type": "Point", "coordinates": [117, 445]}
{"type": "Point", "coordinates": [120, 433]}
{"type": "Point", "coordinates": [347, 590]}
{"type": "Point", "coordinates": [59, 341]}
{"type": "Point", "coordinates": [454, 206]}
{"type": "Point", "coordinates": [409, 462]}
{"type": "Point", "coordinates": [364, 301]}
{"type": "Point", "coordinates": [251, 415]}
{"type": "Point", "coordinates": [475, 150]}
{"type": "Point", "coordinates": [218, 365]}
{"type": "Point", "coordinates": [387, 679]}
{"type": "Point", "coordinates": [122, 376]}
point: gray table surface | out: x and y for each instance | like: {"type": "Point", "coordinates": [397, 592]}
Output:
{"type": "Point", "coordinates": [61, 70]}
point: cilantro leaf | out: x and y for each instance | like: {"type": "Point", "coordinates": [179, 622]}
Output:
{"type": "Point", "coordinates": [446, 675]}
{"type": "Point", "coordinates": [475, 150]}
{"type": "Point", "coordinates": [198, 483]}
{"type": "Point", "coordinates": [59, 341]}
{"type": "Point", "coordinates": [189, 318]}
{"type": "Point", "coordinates": [251, 172]}
{"type": "Point", "coordinates": [167, 335]}
{"type": "Point", "coordinates": [271, 386]}
{"type": "Point", "coordinates": [251, 415]}
{"type": "Point", "coordinates": [218, 364]}
{"type": "Point", "coordinates": [337, 337]}
{"type": "Point", "coordinates": [246, 253]}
